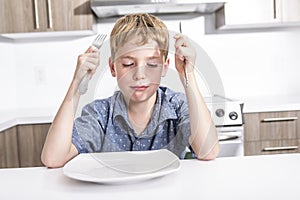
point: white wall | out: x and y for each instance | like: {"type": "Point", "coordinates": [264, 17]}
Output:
{"type": "Point", "coordinates": [254, 64]}
{"type": "Point", "coordinates": [258, 64]}
{"type": "Point", "coordinates": [45, 70]}
{"type": "Point", "coordinates": [8, 85]}
{"type": "Point", "coordinates": [37, 73]}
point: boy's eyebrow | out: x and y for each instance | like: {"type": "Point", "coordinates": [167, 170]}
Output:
{"type": "Point", "coordinates": [154, 57]}
{"type": "Point", "coordinates": [130, 57]}
{"type": "Point", "coordinates": [150, 57]}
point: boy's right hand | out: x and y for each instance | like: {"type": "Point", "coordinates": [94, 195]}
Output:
{"type": "Point", "coordinates": [87, 63]}
{"type": "Point", "coordinates": [185, 54]}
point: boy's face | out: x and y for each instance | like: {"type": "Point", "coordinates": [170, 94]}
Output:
{"type": "Point", "coordinates": [138, 69]}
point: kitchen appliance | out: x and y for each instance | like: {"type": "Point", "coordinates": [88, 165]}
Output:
{"type": "Point", "coordinates": [104, 8]}
{"type": "Point", "coordinates": [227, 115]}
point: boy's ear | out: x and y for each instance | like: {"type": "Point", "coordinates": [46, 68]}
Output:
{"type": "Point", "coordinates": [112, 67]}
{"type": "Point", "coordinates": [165, 67]}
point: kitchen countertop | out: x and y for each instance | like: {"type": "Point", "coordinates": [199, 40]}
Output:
{"type": "Point", "coordinates": [233, 178]}
{"type": "Point", "coordinates": [271, 103]}
{"type": "Point", "coordinates": [10, 118]}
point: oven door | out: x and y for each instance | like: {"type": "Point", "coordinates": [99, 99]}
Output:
{"type": "Point", "coordinates": [231, 141]}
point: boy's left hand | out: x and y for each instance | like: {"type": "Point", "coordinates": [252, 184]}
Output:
{"type": "Point", "coordinates": [185, 54]}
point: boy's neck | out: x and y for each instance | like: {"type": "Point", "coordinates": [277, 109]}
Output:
{"type": "Point", "coordinates": [139, 114]}
{"type": "Point", "coordinates": [142, 107]}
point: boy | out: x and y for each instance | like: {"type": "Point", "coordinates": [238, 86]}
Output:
{"type": "Point", "coordinates": [142, 115]}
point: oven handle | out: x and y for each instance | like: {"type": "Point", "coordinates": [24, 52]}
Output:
{"type": "Point", "coordinates": [227, 137]}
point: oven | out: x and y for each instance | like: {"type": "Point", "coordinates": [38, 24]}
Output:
{"type": "Point", "coordinates": [231, 141]}
{"type": "Point", "coordinates": [227, 115]}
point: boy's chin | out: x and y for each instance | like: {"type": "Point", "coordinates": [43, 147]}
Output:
{"type": "Point", "coordinates": [142, 94]}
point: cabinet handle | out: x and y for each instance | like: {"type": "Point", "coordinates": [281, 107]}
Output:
{"type": "Point", "coordinates": [50, 22]}
{"type": "Point", "coordinates": [279, 119]}
{"type": "Point", "coordinates": [274, 9]}
{"type": "Point", "coordinates": [280, 148]}
{"type": "Point", "coordinates": [36, 15]}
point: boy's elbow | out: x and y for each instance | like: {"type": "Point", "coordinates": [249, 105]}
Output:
{"type": "Point", "coordinates": [50, 161]}
{"type": "Point", "coordinates": [213, 154]}
{"type": "Point", "coordinates": [207, 158]}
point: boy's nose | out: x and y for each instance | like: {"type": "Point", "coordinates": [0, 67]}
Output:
{"type": "Point", "coordinates": [139, 73]}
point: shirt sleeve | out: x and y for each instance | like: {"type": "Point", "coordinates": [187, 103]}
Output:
{"type": "Point", "coordinates": [88, 129]}
{"type": "Point", "coordinates": [183, 130]}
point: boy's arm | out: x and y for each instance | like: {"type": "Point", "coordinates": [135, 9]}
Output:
{"type": "Point", "coordinates": [204, 138]}
{"type": "Point", "coordinates": [58, 148]}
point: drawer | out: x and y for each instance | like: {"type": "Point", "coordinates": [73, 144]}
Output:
{"type": "Point", "coordinates": [252, 148]}
{"type": "Point", "coordinates": [271, 147]}
{"type": "Point", "coordinates": [251, 127]}
{"type": "Point", "coordinates": [278, 125]}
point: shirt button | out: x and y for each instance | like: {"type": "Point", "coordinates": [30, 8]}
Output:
{"type": "Point", "coordinates": [137, 142]}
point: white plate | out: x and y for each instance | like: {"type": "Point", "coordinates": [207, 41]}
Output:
{"type": "Point", "coordinates": [118, 167]}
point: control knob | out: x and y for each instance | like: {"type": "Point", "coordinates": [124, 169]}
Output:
{"type": "Point", "coordinates": [233, 115]}
{"type": "Point", "coordinates": [220, 112]}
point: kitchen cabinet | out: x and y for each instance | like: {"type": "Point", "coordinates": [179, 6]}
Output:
{"type": "Point", "coordinates": [298, 130]}
{"type": "Point", "coordinates": [258, 14]}
{"type": "Point", "coordinates": [31, 139]}
{"type": "Point", "coordinates": [271, 132]}
{"type": "Point", "coordinates": [23, 16]}
{"type": "Point", "coordinates": [9, 156]}
{"type": "Point", "coordinates": [21, 145]}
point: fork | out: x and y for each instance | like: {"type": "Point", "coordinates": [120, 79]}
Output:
{"type": "Point", "coordinates": [184, 64]}
{"type": "Point", "coordinates": [83, 86]}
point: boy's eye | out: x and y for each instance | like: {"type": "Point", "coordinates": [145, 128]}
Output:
{"type": "Point", "coordinates": [127, 64]}
{"type": "Point", "coordinates": [152, 65]}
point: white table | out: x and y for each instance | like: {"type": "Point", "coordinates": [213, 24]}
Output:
{"type": "Point", "coordinates": [254, 177]}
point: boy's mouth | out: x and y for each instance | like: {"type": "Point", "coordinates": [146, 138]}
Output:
{"type": "Point", "coordinates": [140, 87]}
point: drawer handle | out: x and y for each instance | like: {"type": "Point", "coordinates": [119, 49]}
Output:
{"type": "Point", "coordinates": [50, 23]}
{"type": "Point", "coordinates": [279, 119]}
{"type": "Point", "coordinates": [280, 148]}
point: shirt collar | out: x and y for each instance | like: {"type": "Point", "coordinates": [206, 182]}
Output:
{"type": "Point", "coordinates": [163, 109]}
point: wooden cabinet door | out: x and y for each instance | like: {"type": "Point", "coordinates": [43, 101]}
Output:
{"type": "Point", "coordinates": [31, 139]}
{"type": "Point", "coordinates": [251, 127]}
{"type": "Point", "coordinates": [17, 16]}
{"type": "Point", "coordinates": [278, 125]}
{"type": "Point", "coordinates": [252, 148]}
{"type": "Point", "coordinates": [21, 16]}
{"type": "Point", "coordinates": [298, 125]}
{"type": "Point", "coordinates": [271, 147]}
{"type": "Point", "coordinates": [271, 132]}
{"type": "Point", "coordinates": [71, 15]}
{"type": "Point", "coordinates": [279, 146]}
{"type": "Point", "coordinates": [9, 148]}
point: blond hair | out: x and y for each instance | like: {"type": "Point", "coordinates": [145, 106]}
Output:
{"type": "Point", "coordinates": [144, 25]}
